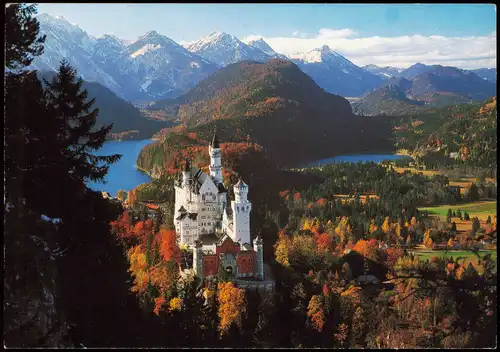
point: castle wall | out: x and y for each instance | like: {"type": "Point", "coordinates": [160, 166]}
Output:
{"type": "Point", "coordinates": [210, 265]}
{"type": "Point", "coordinates": [246, 264]}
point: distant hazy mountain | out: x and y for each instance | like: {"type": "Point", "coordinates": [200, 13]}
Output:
{"type": "Point", "coordinates": [384, 72]}
{"type": "Point", "coordinates": [266, 48]}
{"type": "Point", "coordinates": [436, 86]}
{"type": "Point", "coordinates": [489, 74]}
{"type": "Point", "coordinates": [335, 74]}
{"type": "Point", "coordinates": [225, 49]}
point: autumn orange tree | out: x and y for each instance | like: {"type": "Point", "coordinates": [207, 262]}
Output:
{"type": "Point", "coordinates": [232, 306]}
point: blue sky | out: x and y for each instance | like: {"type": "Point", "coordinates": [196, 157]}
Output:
{"type": "Point", "coordinates": [397, 35]}
{"type": "Point", "coordinates": [187, 22]}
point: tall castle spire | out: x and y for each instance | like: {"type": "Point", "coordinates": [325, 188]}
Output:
{"type": "Point", "coordinates": [215, 158]}
{"type": "Point", "coordinates": [215, 140]}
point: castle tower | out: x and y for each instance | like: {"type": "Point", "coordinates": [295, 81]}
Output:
{"type": "Point", "coordinates": [215, 159]}
{"type": "Point", "coordinates": [241, 213]}
{"type": "Point", "coordinates": [198, 259]}
{"type": "Point", "coordinates": [259, 260]}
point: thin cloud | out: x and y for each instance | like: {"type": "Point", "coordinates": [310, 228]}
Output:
{"type": "Point", "coordinates": [402, 51]}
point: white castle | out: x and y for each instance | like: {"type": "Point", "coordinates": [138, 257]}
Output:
{"type": "Point", "coordinates": [201, 209]}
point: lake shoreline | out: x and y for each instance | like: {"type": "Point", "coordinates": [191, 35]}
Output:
{"type": "Point", "coordinates": [124, 174]}
{"type": "Point", "coordinates": [354, 158]}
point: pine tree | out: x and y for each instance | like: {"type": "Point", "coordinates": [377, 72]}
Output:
{"type": "Point", "coordinates": [453, 228]}
{"type": "Point", "coordinates": [22, 40]}
{"type": "Point", "coordinates": [448, 216]}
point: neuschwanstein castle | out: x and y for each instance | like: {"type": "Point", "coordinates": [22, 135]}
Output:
{"type": "Point", "coordinates": [218, 234]}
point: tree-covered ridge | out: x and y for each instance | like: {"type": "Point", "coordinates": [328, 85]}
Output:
{"type": "Point", "coordinates": [254, 89]}
{"type": "Point", "coordinates": [461, 134]}
{"type": "Point", "coordinates": [392, 101]}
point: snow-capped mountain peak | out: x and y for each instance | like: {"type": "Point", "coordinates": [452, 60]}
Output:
{"type": "Point", "coordinates": [262, 45]}
{"type": "Point", "coordinates": [225, 49]}
{"type": "Point", "coordinates": [321, 54]}
{"type": "Point", "coordinates": [213, 39]}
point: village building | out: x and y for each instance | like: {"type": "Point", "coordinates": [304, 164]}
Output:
{"type": "Point", "coordinates": [218, 234]}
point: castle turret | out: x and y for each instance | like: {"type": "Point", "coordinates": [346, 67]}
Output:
{"type": "Point", "coordinates": [215, 159]}
{"type": "Point", "coordinates": [241, 213]}
{"type": "Point", "coordinates": [198, 259]}
{"type": "Point", "coordinates": [259, 258]}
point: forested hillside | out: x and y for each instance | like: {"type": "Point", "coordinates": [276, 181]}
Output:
{"type": "Point", "coordinates": [460, 134]}
{"type": "Point", "coordinates": [277, 106]}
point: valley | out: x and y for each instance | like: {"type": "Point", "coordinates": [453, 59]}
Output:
{"type": "Point", "coordinates": [324, 178]}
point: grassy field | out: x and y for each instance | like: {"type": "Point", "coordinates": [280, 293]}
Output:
{"type": "Point", "coordinates": [478, 209]}
{"type": "Point", "coordinates": [452, 253]}
{"type": "Point", "coordinates": [429, 173]}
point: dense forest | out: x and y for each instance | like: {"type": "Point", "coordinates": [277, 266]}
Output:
{"type": "Point", "coordinates": [318, 243]}
{"type": "Point", "coordinates": [461, 135]}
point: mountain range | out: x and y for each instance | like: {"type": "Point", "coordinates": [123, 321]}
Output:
{"type": "Point", "coordinates": [154, 67]}
{"type": "Point", "coordinates": [267, 103]}
{"type": "Point", "coordinates": [488, 74]}
{"type": "Point", "coordinates": [421, 86]}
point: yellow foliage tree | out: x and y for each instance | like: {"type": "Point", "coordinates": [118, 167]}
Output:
{"type": "Point", "coordinates": [232, 306]}
{"type": "Point", "coordinates": [344, 230]}
{"type": "Point", "coordinates": [427, 239]}
{"type": "Point", "coordinates": [386, 226]}
{"type": "Point", "coordinates": [372, 228]}
{"type": "Point", "coordinates": [413, 221]}
{"type": "Point", "coordinates": [175, 304]}
{"type": "Point", "coordinates": [450, 243]}
{"type": "Point", "coordinates": [315, 313]}
{"type": "Point", "coordinates": [282, 251]}
{"type": "Point", "coordinates": [138, 265]}
{"type": "Point", "coordinates": [397, 229]}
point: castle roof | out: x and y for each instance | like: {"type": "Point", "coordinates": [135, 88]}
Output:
{"type": "Point", "coordinates": [187, 166]}
{"type": "Point", "coordinates": [192, 216]}
{"type": "Point", "coordinates": [215, 141]}
{"type": "Point", "coordinates": [182, 209]}
{"type": "Point", "coordinates": [240, 184]}
{"type": "Point", "coordinates": [219, 185]}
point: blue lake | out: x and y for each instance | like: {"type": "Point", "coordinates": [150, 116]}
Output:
{"type": "Point", "coordinates": [122, 174]}
{"type": "Point", "coordinates": [376, 158]}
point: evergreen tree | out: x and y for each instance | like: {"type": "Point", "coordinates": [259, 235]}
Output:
{"type": "Point", "coordinates": [488, 221]}
{"type": "Point", "coordinates": [459, 214]}
{"type": "Point", "coordinates": [448, 216]}
{"type": "Point", "coordinates": [453, 228]}
{"type": "Point", "coordinates": [476, 225]}
{"type": "Point", "coordinates": [466, 216]}
{"type": "Point", "coordinates": [22, 39]}
{"type": "Point", "coordinates": [473, 193]}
